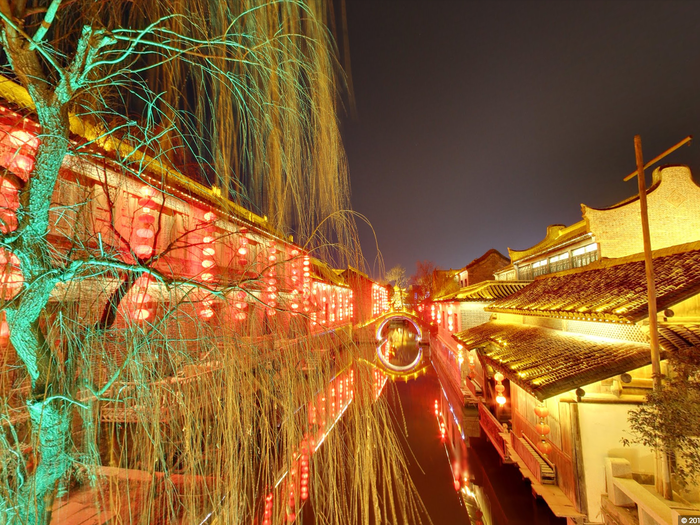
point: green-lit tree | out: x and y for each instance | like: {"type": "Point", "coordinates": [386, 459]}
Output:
{"type": "Point", "coordinates": [241, 94]}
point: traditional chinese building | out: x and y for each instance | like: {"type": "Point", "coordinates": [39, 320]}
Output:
{"type": "Point", "coordinates": [674, 218]}
{"type": "Point", "coordinates": [563, 360]}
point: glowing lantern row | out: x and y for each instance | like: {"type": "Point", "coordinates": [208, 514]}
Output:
{"type": "Point", "coordinates": [306, 286]}
{"type": "Point", "coordinates": [142, 306]}
{"type": "Point", "coordinates": [541, 411]}
{"type": "Point", "coordinates": [208, 253]}
{"type": "Point", "coordinates": [450, 320]}
{"type": "Point", "coordinates": [267, 516]}
{"type": "Point", "coordinates": [243, 250]}
{"type": "Point", "coordinates": [432, 312]}
{"type": "Point", "coordinates": [240, 305]}
{"type": "Point", "coordinates": [145, 221]}
{"type": "Point", "coordinates": [380, 299]}
{"type": "Point", "coordinates": [296, 281]}
{"type": "Point", "coordinates": [304, 464]}
{"type": "Point", "coordinates": [500, 389]}
{"type": "Point", "coordinates": [332, 400]}
{"type": "Point", "coordinates": [271, 278]}
{"type": "Point", "coordinates": [205, 309]}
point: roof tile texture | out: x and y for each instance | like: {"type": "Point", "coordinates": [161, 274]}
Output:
{"type": "Point", "coordinates": [609, 290]}
{"type": "Point", "coordinates": [548, 362]}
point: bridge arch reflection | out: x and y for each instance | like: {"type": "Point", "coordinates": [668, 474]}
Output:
{"type": "Point", "coordinates": [417, 364]}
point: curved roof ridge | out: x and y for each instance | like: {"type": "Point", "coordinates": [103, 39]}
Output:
{"type": "Point", "coordinates": [555, 232]}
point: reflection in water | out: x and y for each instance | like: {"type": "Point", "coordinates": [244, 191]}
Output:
{"type": "Point", "coordinates": [403, 345]}
{"type": "Point", "coordinates": [400, 343]}
{"type": "Point", "coordinates": [449, 462]}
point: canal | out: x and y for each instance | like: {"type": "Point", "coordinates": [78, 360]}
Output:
{"type": "Point", "coordinates": [480, 490]}
{"type": "Point", "coordinates": [459, 480]}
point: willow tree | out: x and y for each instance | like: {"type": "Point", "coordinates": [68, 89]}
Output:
{"type": "Point", "coordinates": [240, 94]}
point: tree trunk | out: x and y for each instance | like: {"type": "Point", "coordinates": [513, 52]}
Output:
{"type": "Point", "coordinates": [49, 415]}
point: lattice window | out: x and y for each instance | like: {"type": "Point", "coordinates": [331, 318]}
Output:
{"type": "Point", "coordinates": [525, 273]}
{"type": "Point", "coordinates": [584, 255]}
{"type": "Point", "coordinates": [625, 332]}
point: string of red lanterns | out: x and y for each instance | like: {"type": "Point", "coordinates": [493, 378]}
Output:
{"type": "Point", "coordinates": [541, 411]}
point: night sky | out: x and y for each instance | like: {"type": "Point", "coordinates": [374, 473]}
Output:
{"type": "Point", "coordinates": [480, 123]}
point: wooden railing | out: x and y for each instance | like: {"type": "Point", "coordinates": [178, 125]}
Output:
{"type": "Point", "coordinates": [493, 430]}
{"type": "Point", "coordinates": [566, 479]}
{"type": "Point", "coordinates": [543, 469]}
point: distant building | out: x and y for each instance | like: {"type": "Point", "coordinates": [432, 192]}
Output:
{"type": "Point", "coordinates": [482, 268]}
{"type": "Point", "coordinates": [371, 298]}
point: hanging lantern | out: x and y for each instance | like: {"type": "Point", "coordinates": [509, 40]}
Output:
{"type": "Point", "coordinates": [141, 314]}
{"type": "Point", "coordinates": [542, 429]}
{"type": "Point", "coordinates": [500, 389]}
{"type": "Point", "coordinates": [145, 233]}
{"type": "Point", "coordinates": [541, 411]}
{"type": "Point", "coordinates": [544, 447]}
{"type": "Point", "coordinates": [147, 191]}
{"type": "Point", "coordinates": [206, 313]}
{"type": "Point", "coordinates": [143, 250]}
{"type": "Point", "coordinates": [4, 333]}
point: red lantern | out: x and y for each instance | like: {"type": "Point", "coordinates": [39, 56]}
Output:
{"type": "Point", "coordinates": [544, 447]}
{"type": "Point", "coordinates": [4, 333]}
{"type": "Point", "coordinates": [500, 388]}
{"type": "Point", "coordinates": [541, 411]}
{"type": "Point", "coordinates": [542, 429]}
{"type": "Point", "coordinates": [498, 376]}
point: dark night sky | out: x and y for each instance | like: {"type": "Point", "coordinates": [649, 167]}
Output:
{"type": "Point", "coordinates": [480, 123]}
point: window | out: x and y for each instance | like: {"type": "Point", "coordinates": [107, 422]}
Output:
{"type": "Point", "coordinates": [525, 273]}
{"type": "Point", "coordinates": [584, 255]}
{"type": "Point", "coordinates": [559, 262]}
{"type": "Point", "coordinates": [540, 267]}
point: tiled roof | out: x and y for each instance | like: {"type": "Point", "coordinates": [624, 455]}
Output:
{"type": "Point", "coordinates": [674, 336]}
{"type": "Point", "coordinates": [485, 291]}
{"type": "Point", "coordinates": [548, 362]}
{"type": "Point", "coordinates": [321, 270]}
{"type": "Point", "coordinates": [611, 289]}
{"type": "Point", "coordinates": [481, 259]}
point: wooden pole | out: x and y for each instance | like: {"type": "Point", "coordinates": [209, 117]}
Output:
{"type": "Point", "coordinates": [651, 296]}
{"type": "Point", "coordinates": [657, 159]}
